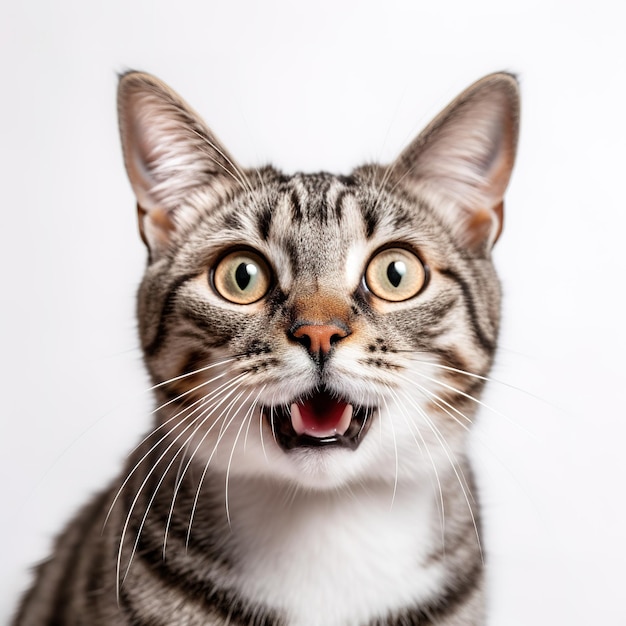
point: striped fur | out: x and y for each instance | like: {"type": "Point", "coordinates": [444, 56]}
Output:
{"type": "Point", "coordinates": [213, 519]}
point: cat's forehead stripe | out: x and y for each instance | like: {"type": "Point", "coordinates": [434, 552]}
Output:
{"type": "Point", "coordinates": [316, 197]}
{"type": "Point", "coordinates": [296, 207]}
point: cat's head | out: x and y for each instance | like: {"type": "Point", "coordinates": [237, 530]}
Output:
{"type": "Point", "coordinates": [316, 328]}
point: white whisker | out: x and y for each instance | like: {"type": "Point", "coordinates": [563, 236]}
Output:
{"type": "Point", "coordinates": [444, 405]}
{"type": "Point", "coordinates": [465, 395]}
{"type": "Point", "coordinates": [273, 429]}
{"type": "Point", "coordinates": [261, 434]}
{"type": "Point", "coordinates": [489, 379]}
{"type": "Point", "coordinates": [149, 505]}
{"type": "Point", "coordinates": [205, 401]}
{"type": "Point", "coordinates": [453, 464]}
{"type": "Point", "coordinates": [251, 411]}
{"type": "Point", "coordinates": [411, 424]}
{"type": "Point", "coordinates": [225, 412]}
{"type": "Point", "coordinates": [187, 374]}
{"type": "Point", "coordinates": [232, 452]}
{"type": "Point", "coordinates": [207, 414]}
{"type": "Point", "coordinates": [206, 466]}
{"type": "Point", "coordinates": [449, 409]}
{"type": "Point", "coordinates": [236, 173]}
{"type": "Point", "coordinates": [147, 477]}
{"type": "Point", "coordinates": [395, 449]}
{"type": "Point", "coordinates": [201, 401]}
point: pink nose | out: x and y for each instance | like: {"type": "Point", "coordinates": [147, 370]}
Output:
{"type": "Point", "coordinates": [319, 337]}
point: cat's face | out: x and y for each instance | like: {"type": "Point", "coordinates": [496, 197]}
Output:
{"type": "Point", "coordinates": [317, 328]}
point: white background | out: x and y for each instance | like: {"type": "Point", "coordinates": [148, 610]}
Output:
{"type": "Point", "coordinates": [314, 86]}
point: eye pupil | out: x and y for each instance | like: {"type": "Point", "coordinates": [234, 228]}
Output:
{"type": "Point", "coordinates": [395, 272]}
{"type": "Point", "coordinates": [244, 274]}
{"type": "Point", "coordinates": [241, 277]}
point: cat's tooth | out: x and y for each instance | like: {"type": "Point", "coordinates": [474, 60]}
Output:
{"type": "Point", "coordinates": [344, 422]}
{"type": "Point", "coordinates": [296, 420]}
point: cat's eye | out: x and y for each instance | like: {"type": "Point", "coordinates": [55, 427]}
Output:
{"type": "Point", "coordinates": [242, 277]}
{"type": "Point", "coordinates": [395, 274]}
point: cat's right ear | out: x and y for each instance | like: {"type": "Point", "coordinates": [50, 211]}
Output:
{"type": "Point", "coordinates": [168, 152]}
{"type": "Point", "coordinates": [461, 163]}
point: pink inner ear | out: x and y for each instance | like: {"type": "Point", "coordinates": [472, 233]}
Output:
{"type": "Point", "coordinates": [462, 161]}
{"type": "Point", "coordinates": [155, 227]}
{"type": "Point", "coordinates": [499, 212]}
{"type": "Point", "coordinates": [485, 225]}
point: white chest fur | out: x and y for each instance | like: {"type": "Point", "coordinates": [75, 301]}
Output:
{"type": "Point", "coordinates": [336, 558]}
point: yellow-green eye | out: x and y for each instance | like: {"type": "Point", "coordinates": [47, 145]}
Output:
{"type": "Point", "coordinates": [395, 274]}
{"type": "Point", "coordinates": [242, 277]}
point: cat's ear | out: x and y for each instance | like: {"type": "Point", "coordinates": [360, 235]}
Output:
{"type": "Point", "coordinates": [461, 163]}
{"type": "Point", "coordinates": [168, 152]}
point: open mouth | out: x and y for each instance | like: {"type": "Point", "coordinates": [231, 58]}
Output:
{"type": "Point", "coordinates": [319, 419]}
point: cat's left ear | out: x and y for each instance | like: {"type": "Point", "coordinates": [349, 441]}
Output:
{"type": "Point", "coordinates": [168, 152]}
{"type": "Point", "coordinates": [461, 163]}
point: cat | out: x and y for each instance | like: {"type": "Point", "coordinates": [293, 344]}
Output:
{"type": "Point", "coordinates": [318, 345]}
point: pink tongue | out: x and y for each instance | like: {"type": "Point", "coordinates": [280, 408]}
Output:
{"type": "Point", "coordinates": [321, 416]}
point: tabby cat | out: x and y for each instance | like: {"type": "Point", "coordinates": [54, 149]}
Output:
{"type": "Point", "coordinates": [318, 345]}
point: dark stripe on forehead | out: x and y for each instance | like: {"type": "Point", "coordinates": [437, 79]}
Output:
{"type": "Point", "coordinates": [232, 220]}
{"type": "Point", "coordinates": [347, 181]}
{"type": "Point", "coordinates": [264, 222]}
{"type": "Point", "coordinates": [310, 197]}
{"type": "Point", "coordinates": [296, 207]}
{"type": "Point", "coordinates": [370, 216]}
{"type": "Point", "coordinates": [322, 210]}
{"type": "Point", "coordinates": [401, 218]}
{"type": "Point", "coordinates": [339, 204]}
{"type": "Point", "coordinates": [470, 306]}
{"type": "Point", "coordinates": [293, 252]}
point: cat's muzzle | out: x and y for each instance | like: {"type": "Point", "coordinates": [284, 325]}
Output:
{"type": "Point", "coordinates": [319, 419]}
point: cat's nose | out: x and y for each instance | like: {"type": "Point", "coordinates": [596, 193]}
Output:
{"type": "Point", "coordinates": [319, 338]}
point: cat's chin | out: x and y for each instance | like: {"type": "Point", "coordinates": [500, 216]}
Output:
{"type": "Point", "coordinates": [319, 420]}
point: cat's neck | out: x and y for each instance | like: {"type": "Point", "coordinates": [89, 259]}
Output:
{"type": "Point", "coordinates": [377, 546]}
{"type": "Point", "coordinates": [348, 543]}
{"type": "Point", "coordinates": [290, 513]}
